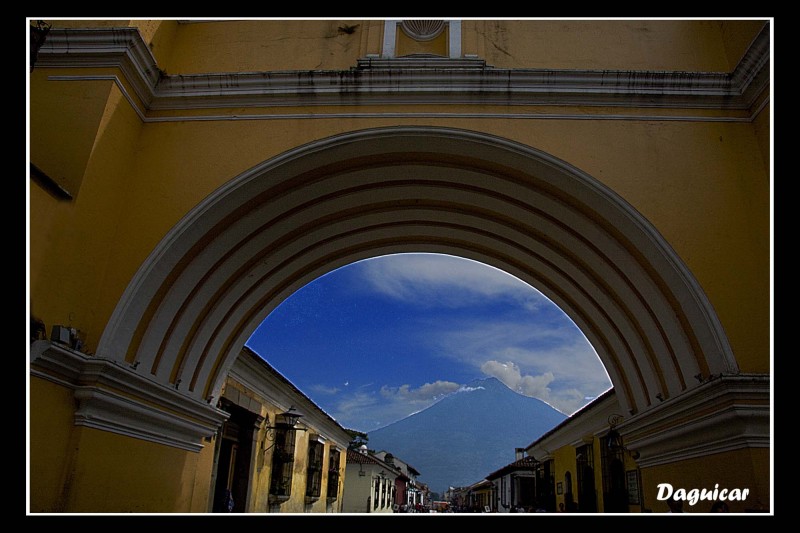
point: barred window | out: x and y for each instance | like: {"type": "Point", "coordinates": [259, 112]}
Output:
{"type": "Point", "coordinates": [282, 463]}
{"type": "Point", "coordinates": [314, 470]}
{"type": "Point", "coordinates": [584, 458]}
{"type": "Point", "coordinates": [333, 474]}
{"type": "Point", "coordinates": [615, 497]}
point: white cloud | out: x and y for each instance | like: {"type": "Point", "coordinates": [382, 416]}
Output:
{"type": "Point", "coordinates": [367, 411]}
{"type": "Point", "coordinates": [443, 280]}
{"type": "Point", "coordinates": [425, 394]}
{"type": "Point", "coordinates": [566, 400]}
{"type": "Point", "coordinates": [323, 389]}
{"type": "Point", "coordinates": [533, 345]}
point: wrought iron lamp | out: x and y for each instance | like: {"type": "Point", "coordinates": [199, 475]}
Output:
{"type": "Point", "coordinates": [290, 419]}
{"type": "Point", "coordinates": [614, 439]}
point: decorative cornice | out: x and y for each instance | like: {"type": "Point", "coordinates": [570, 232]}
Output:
{"type": "Point", "coordinates": [115, 397]}
{"type": "Point", "coordinates": [121, 48]}
{"type": "Point", "coordinates": [414, 80]}
{"type": "Point", "coordinates": [724, 414]}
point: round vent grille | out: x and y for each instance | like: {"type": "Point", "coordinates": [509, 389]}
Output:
{"type": "Point", "coordinates": [422, 30]}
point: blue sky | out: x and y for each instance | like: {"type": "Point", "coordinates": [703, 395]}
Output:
{"type": "Point", "coordinates": [380, 339]}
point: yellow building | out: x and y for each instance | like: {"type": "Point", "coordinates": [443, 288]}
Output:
{"type": "Point", "coordinates": [267, 458]}
{"type": "Point", "coordinates": [187, 176]}
{"type": "Point", "coordinates": [594, 468]}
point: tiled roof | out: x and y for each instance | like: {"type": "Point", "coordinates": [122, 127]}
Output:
{"type": "Point", "coordinates": [356, 457]}
{"type": "Point", "coordinates": [526, 463]}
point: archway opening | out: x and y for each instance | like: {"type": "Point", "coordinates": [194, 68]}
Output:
{"type": "Point", "coordinates": [380, 339]}
{"type": "Point", "coordinates": [231, 261]}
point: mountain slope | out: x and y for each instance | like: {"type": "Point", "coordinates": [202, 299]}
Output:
{"type": "Point", "coordinates": [468, 434]}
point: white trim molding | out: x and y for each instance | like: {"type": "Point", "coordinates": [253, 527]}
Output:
{"type": "Point", "coordinates": [252, 372]}
{"type": "Point", "coordinates": [574, 239]}
{"type": "Point", "coordinates": [115, 397]}
{"type": "Point", "coordinates": [397, 81]}
{"type": "Point", "coordinates": [121, 48]}
{"type": "Point", "coordinates": [725, 413]}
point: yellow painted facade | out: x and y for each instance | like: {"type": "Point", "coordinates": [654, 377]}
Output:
{"type": "Point", "coordinates": [256, 399]}
{"type": "Point", "coordinates": [217, 150]}
{"type": "Point", "coordinates": [732, 470]}
{"type": "Point", "coordinates": [699, 174]}
{"type": "Point", "coordinates": [735, 469]}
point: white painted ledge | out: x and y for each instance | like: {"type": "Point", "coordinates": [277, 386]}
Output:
{"type": "Point", "coordinates": [388, 80]}
{"type": "Point", "coordinates": [724, 414]}
{"type": "Point", "coordinates": [115, 397]}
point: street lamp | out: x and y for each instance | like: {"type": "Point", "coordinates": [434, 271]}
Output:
{"type": "Point", "coordinates": [290, 419]}
{"type": "Point", "coordinates": [614, 439]}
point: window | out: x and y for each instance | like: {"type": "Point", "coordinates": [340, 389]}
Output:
{"type": "Point", "coordinates": [615, 496]}
{"type": "Point", "coordinates": [546, 486]}
{"type": "Point", "coordinates": [333, 474]}
{"type": "Point", "coordinates": [280, 487]}
{"type": "Point", "coordinates": [584, 458]}
{"type": "Point", "coordinates": [314, 470]}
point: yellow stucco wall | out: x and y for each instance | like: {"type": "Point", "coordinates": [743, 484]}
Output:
{"type": "Point", "coordinates": [599, 44]}
{"type": "Point", "coordinates": [565, 462]}
{"type": "Point", "coordinates": [81, 470]}
{"type": "Point", "coordinates": [156, 478]}
{"type": "Point", "coordinates": [737, 36]}
{"type": "Point", "coordinates": [66, 124]}
{"type": "Point", "coordinates": [81, 253]}
{"type": "Point", "coordinates": [735, 469]}
{"type": "Point", "coordinates": [598, 472]}
{"type": "Point", "coordinates": [703, 185]}
{"type": "Point", "coordinates": [49, 443]}
{"type": "Point", "coordinates": [406, 45]}
{"type": "Point", "coordinates": [239, 45]}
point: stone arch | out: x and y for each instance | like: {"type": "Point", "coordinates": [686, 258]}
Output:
{"type": "Point", "coordinates": [230, 261]}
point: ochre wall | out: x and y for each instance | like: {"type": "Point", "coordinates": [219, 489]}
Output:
{"type": "Point", "coordinates": [692, 46]}
{"type": "Point", "coordinates": [76, 469]}
{"type": "Point", "coordinates": [156, 478]}
{"type": "Point", "coordinates": [261, 45]}
{"type": "Point", "coordinates": [71, 242]}
{"type": "Point", "coordinates": [565, 462]}
{"type": "Point", "coordinates": [49, 443]}
{"type": "Point", "coordinates": [735, 469]}
{"type": "Point", "coordinates": [233, 46]}
{"type": "Point", "coordinates": [704, 186]}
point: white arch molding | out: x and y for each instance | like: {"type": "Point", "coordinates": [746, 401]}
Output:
{"type": "Point", "coordinates": [256, 240]}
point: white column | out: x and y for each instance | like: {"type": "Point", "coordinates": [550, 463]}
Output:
{"type": "Point", "coordinates": [454, 32]}
{"type": "Point", "coordinates": [389, 38]}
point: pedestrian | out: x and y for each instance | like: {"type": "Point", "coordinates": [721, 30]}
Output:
{"type": "Point", "coordinates": [675, 506]}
